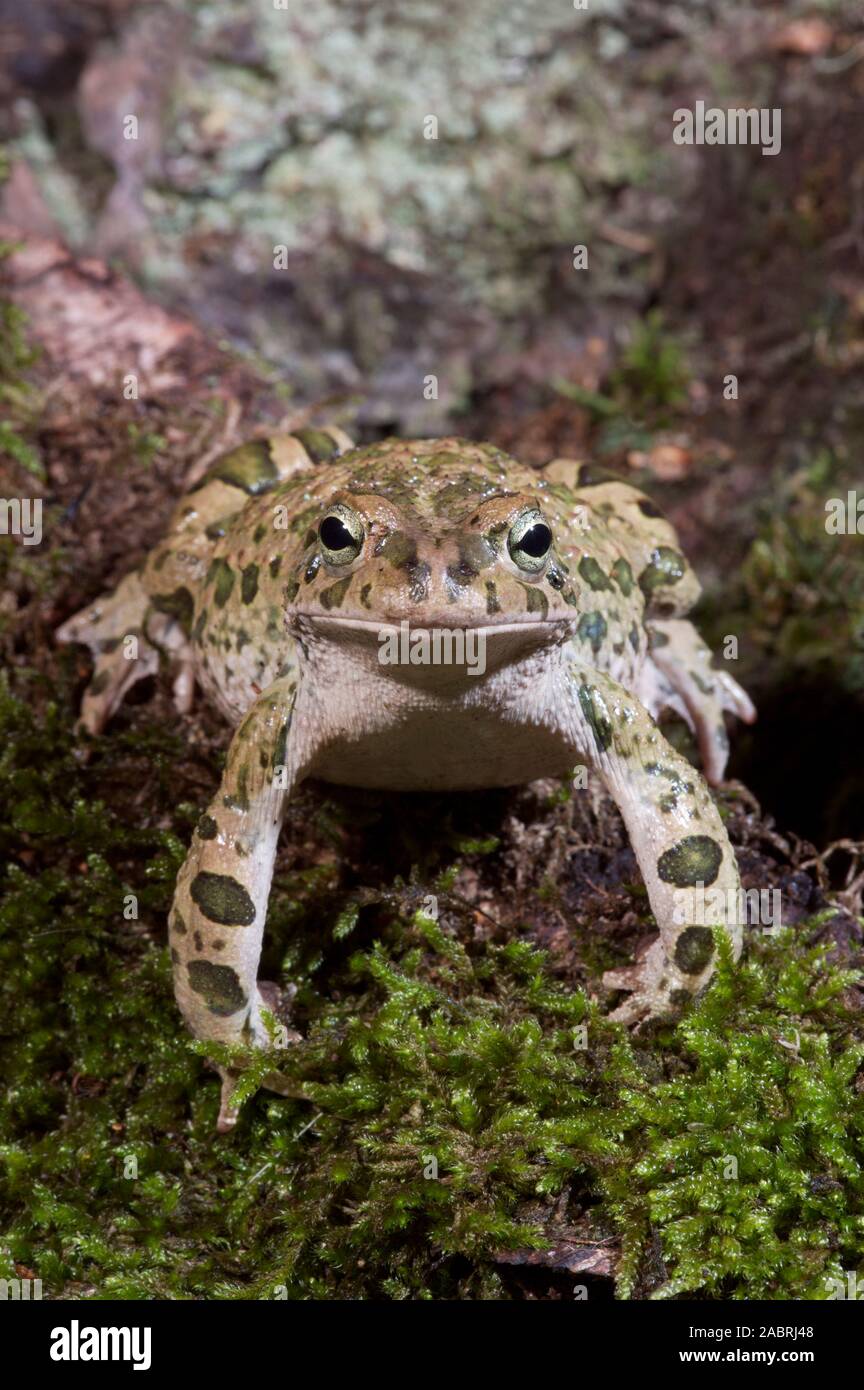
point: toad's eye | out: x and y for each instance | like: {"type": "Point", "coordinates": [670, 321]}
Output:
{"type": "Point", "coordinates": [529, 541]}
{"type": "Point", "coordinates": [341, 535]}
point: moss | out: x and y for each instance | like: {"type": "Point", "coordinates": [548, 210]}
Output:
{"type": "Point", "coordinates": [19, 402]}
{"type": "Point", "coordinates": [441, 1105]}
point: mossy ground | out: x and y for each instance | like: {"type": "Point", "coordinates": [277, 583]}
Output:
{"type": "Point", "coordinates": [451, 1115]}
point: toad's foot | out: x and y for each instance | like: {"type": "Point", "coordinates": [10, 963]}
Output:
{"type": "Point", "coordinates": [270, 997]}
{"type": "Point", "coordinates": [684, 662]}
{"type": "Point", "coordinates": [113, 629]}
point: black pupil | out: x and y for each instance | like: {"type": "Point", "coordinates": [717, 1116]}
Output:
{"type": "Point", "coordinates": [335, 534]}
{"type": "Point", "coordinates": [536, 540]}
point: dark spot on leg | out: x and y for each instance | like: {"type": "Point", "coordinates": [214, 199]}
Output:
{"type": "Point", "coordinates": [595, 714]}
{"type": "Point", "coordinates": [222, 899]}
{"type": "Point", "coordinates": [693, 949]}
{"type": "Point", "coordinates": [219, 987]}
{"type": "Point", "coordinates": [695, 859]}
{"type": "Point", "coordinates": [207, 828]}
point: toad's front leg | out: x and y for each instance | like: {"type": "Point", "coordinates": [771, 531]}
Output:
{"type": "Point", "coordinates": [677, 835]}
{"type": "Point", "coordinates": [220, 902]}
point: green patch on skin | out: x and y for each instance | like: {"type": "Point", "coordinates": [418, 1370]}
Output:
{"type": "Point", "coordinates": [318, 445]}
{"type": "Point", "coordinates": [634, 638]}
{"type": "Point", "coordinates": [259, 533]}
{"type": "Point", "coordinates": [200, 624]}
{"type": "Point", "coordinates": [597, 715]}
{"type": "Point", "coordinates": [207, 829]}
{"type": "Point", "coordinates": [458, 492]}
{"type": "Point", "coordinates": [178, 925]}
{"type": "Point", "coordinates": [222, 899]}
{"type": "Point", "coordinates": [249, 584]}
{"type": "Point", "coordinates": [591, 475]}
{"type": "Point", "coordinates": [333, 596]}
{"type": "Point", "coordinates": [592, 628]}
{"type": "Point", "coordinates": [250, 467]}
{"type": "Point", "coordinates": [535, 600]}
{"type": "Point", "coordinates": [594, 576]}
{"type": "Point", "coordinates": [275, 566]}
{"type": "Point", "coordinates": [180, 605]}
{"type": "Point", "coordinates": [695, 859]}
{"type": "Point", "coordinates": [292, 589]}
{"type": "Point", "coordinates": [100, 683]}
{"type": "Point", "coordinates": [668, 802]}
{"type": "Point", "coordinates": [492, 604]}
{"type": "Point", "coordinates": [161, 559]}
{"type": "Point", "coordinates": [280, 747]}
{"type": "Point", "coordinates": [221, 575]}
{"type": "Point", "coordinates": [478, 552]}
{"type": "Point", "coordinates": [238, 800]}
{"type": "Point", "coordinates": [667, 567]}
{"type": "Point", "coordinates": [694, 949]}
{"type": "Point", "coordinates": [219, 987]}
{"type": "Point", "coordinates": [623, 576]}
{"type": "Point", "coordinates": [398, 550]}
{"type": "Point", "coordinates": [656, 639]}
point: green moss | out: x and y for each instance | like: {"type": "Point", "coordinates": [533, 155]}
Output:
{"type": "Point", "coordinates": [441, 1104]}
{"type": "Point", "coordinates": [19, 402]}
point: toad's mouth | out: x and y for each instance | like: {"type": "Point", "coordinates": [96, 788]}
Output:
{"type": "Point", "coordinates": [363, 627]}
{"type": "Point", "coordinates": [433, 654]}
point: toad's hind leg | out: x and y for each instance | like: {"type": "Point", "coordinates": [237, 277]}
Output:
{"type": "Point", "coordinates": [114, 629]}
{"type": "Point", "coordinates": [677, 835]}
